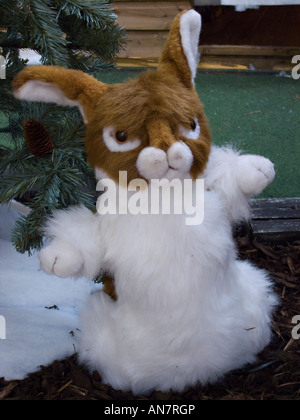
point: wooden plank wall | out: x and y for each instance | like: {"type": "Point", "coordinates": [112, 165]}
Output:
{"type": "Point", "coordinates": [148, 24]}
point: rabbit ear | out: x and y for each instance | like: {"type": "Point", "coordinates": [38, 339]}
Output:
{"type": "Point", "coordinates": [180, 56]}
{"type": "Point", "coordinates": [58, 85]}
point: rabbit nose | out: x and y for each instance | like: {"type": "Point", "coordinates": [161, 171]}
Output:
{"type": "Point", "coordinates": [180, 157]}
{"type": "Point", "coordinates": [160, 134]}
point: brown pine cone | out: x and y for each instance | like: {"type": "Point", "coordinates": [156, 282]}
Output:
{"type": "Point", "coordinates": [37, 138]}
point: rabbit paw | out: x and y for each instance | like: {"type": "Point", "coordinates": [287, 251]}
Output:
{"type": "Point", "coordinates": [254, 173]}
{"type": "Point", "coordinates": [62, 259]}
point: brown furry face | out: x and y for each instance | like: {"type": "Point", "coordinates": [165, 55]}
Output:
{"type": "Point", "coordinates": [129, 107]}
{"type": "Point", "coordinates": [151, 127]}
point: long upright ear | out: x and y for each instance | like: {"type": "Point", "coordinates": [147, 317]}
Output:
{"type": "Point", "coordinates": [180, 56]}
{"type": "Point", "coordinates": [61, 86]}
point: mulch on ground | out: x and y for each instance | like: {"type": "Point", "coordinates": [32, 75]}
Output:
{"type": "Point", "coordinates": [275, 376]}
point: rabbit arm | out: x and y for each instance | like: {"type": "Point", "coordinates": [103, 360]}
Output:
{"type": "Point", "coordinates": [75, 248]}
{"type": "Point", "coordinates": [236, 178]}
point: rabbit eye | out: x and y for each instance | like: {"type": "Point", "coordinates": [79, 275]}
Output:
{"type": "Point", "coordinates": [118, 140]}
{"type": "Point", "coordinates": [121, 136]}
{"type": "Point", "coordinates": [191, 132]}
{"type": "Point", "coordinates": [193, 125]}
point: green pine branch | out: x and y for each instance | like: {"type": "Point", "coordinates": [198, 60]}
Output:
{"type": "Point", "coordinates": [26, 235]}
{"type": "Point", "coordinates": [96, 14]}
{"type": "Point", "coordinates": [78, 34]}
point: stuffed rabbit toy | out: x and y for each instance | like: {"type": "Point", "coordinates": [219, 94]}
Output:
{"type": "Point", "coordinates": [178, 308]}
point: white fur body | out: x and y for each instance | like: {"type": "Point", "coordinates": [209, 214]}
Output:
{"type": "Point", "coordinates": [187, 310]}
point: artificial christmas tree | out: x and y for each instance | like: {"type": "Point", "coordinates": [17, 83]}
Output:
{"type": "Point", "coordinates": [46, 156]}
